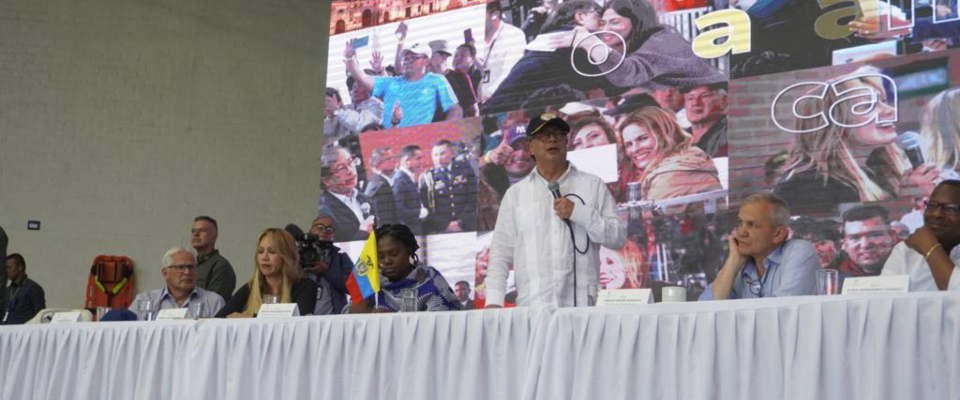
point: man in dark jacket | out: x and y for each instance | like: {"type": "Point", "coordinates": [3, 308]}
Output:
{"type": "Point", "coordinates": [25, 297]}
{"type": "Point", "coordinates": [331, 270]}
{"type": "Point", "coordinates": [406, 191]}
{"type": "Point", "coordinates": [380, 187]}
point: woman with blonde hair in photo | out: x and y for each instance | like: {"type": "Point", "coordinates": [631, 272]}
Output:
{"type": "Point", "coordinates": [276, 272]}
{"type": "Point", "coordinates": [662, 158]}
{"type": "Point", "coordinates": [835, 164]}
{"type": "Point", "coordinates": [940, 132]}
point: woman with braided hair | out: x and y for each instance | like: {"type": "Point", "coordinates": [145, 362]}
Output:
{"type": "Point", "coordinates": [400, 269]}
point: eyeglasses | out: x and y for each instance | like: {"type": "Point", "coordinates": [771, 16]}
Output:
{"type": "Point", "coordinates": [755, 285]}
{"type": "Point", "coordinates": [351, 163]}
{"type": "Point", "coordinates": [950, 210]}
{"type": "Point", "coordinates": [323, 228]}
{"type": "Point", "coordinates": [183, 268]}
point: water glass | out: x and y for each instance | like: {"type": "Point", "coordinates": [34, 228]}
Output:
{"type": "Point", "coordinates": [146, 310]}
{"type": "Point", "coordinates": [828, 282]}
{"type": "Point", "coordinates": [101, 311]}
{"type": "Point", "coordinates": [592, 292]}
{"type": "Point", "coordinates": [408, 300]}
{"type": "Point", "coordinates": [270, 299]}
{"type": "Point", "coordinates": [196, 310]}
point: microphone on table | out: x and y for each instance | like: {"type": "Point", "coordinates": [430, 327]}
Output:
{"type": "Point", "coordinates": [910, 143]}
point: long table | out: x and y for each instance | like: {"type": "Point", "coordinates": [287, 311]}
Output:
{"type": "Point", "coordinates": [831, 347]}
{"type": "Point", "coordinates": [839, 347]}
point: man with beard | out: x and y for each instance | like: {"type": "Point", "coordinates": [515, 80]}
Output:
{"type": "Point", "coordinates": [867, 240]}
{"type": "Point", "coordinates": [409, 210]}
{"type": "Point", "coordinates": [352, 212]}
{"type": "Point", "coordinates": [931, 254]}
{"type": "Point", "coordinates": [380, 187]}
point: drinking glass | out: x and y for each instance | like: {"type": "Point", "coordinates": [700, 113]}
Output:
{"type": "Point", "coordinates": [101, 311]}
{"type": "Point", "coordinates": [828, 282]}
{"type": "Point", "coordinates": [146, 310]}
{"type": "Point", "coordinates": [592, 292]}
{"type": "Point", "coordinates": [408, 300]}
{"type": "Point", "coordinates": [270, 299]}
{"type": "Point", "coordinates": [196, 310]}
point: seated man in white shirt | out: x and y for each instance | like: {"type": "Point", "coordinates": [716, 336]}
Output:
{"type": "Point", "coordinates": [762, 261]}
{"type": "Point", "coordinates": [931, 255]}
{"type": "Point", "coordinates": [180, 272]}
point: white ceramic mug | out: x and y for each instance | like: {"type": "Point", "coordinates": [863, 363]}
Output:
{"type": "Point", "coordinates": [673, 294]}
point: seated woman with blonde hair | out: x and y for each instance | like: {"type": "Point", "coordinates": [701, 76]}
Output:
{"type": "Point", "coordinates": [662, 157]}
{"type": "Point", "coordinates": [399, 264]}
{"type": "Point", "coordinates": [276, 272]}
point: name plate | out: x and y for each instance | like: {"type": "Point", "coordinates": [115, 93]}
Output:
{"type": "Point", "coordinates": [624, 297]}
{"type": "Point", "coordinates": [67, 316]}
{"type": "Point", "coordinates": [877, 284]}
{"type": "Point", "coordinates": [172, 314]}
{"type": "Point", "coordinates": [278, 310]}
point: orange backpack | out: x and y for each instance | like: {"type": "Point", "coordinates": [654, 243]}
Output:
{"type": "Point", "coordinates": [111, 283]}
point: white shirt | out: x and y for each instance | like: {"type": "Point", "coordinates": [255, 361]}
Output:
{"type": "Point", "coordinates": [352, 203]}
{"type": "Point", "coordinates": [905, 261]}
{"type": "Point", "coordinates": [530, 236]}
{"type": "Point", "coordinates": [503, 52]}
{"type": "Point", "coordinates": [388, 178]}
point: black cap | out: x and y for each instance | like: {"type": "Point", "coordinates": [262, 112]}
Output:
{"type": "Point", "coordinates": [546, 119]}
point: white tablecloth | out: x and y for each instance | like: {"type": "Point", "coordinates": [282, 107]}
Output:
{"type": "Point", "coordinates": [901, 347]}
{"type": "Point", "coordinates": [451, 355]}
{"type": "Point", "coordinates": [132, 360]}
{"type": "Point", "coordinates": [891, 347]}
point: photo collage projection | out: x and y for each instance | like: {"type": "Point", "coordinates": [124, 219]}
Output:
{"type": "Point", "coordinates": [852, 127]}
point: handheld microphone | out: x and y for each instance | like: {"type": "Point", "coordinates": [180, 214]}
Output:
{"type": "Point", "coordinates": [295, 231]}
{"type": "Point", "coordinates": [555, 189]}
{"type": "Point", "coordinates": [910, 143]}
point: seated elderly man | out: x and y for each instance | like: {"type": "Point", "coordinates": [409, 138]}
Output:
{"type": "Point", "coordinates": [931, 255]}
{"type": "Point", "coordinates": [180, 272]}
{"type": "Point", "coordinates": [762, 262]}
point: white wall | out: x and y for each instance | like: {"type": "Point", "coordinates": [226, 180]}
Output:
{"type": "Point", "coordinates": [121, 120]}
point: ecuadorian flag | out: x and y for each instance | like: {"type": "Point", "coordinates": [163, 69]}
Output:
{"type": "Point", "coordinates": [364, 281]}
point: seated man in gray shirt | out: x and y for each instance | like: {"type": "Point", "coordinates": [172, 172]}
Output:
{"type": "Point", "coordinates": [762, 262]}
{"type": "Point", "coordinates": [180, 272]}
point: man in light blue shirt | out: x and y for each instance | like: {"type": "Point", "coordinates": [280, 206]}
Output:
{"type": "Point", "coordinates": [180, 272]}
{"type": "Point", "coordinates": [414, 97]}
{"type": "Point", "coordinates": [762, 262]}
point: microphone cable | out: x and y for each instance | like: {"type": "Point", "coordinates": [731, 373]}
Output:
{"type": "Point", "coordinates": [573, 240]}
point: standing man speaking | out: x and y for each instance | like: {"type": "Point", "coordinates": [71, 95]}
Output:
{"type": "Point", "coordinates": [551, 226]}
